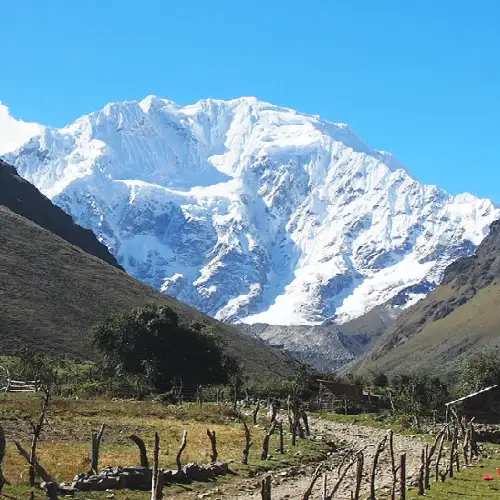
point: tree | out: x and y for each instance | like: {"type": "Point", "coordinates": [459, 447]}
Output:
{"type": "Point", "coordinates": [151, 342]}
{"type": "Point", "coordinates": [480, 370]}
{"type": "Point", "coordinates": [418, 395]}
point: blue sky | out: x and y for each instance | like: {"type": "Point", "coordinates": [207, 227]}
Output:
{"type": "Point", "coordinates": [418, 78]}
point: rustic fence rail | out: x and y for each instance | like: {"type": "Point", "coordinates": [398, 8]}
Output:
{"type": "Point", "coordinates": [7, 384]}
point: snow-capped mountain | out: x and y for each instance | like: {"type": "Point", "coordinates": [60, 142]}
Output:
{"type": "Point", "coordinates": [252, 212]}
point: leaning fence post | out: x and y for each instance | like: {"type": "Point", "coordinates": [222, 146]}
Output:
{"type": "Point", "coordinates": [213, 442]}
{"type": "Point", "coordinates": [181, 449]}
{"type": "Point", "coordinates": [359, 475]}
{"type": "Point", "coordinates": [248, 442]}
{"type": "Point", "coordinates": [142, 449]}
{"type": "Point", "coordinates": [373, 472]}
{"type": "Point", "coordinates": [265, 443]}
{"type": "Point", "coordinates": [307, 494]}
{"type": "Point", "coordinates": [50, 483]}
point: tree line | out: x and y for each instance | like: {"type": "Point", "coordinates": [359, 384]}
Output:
{"type": "Point", "coordinates": [149, 351]}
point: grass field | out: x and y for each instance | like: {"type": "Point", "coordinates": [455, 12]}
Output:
{"type": "Point", "coordinates": [469, 483]}
{"type": "Point", "coordinates": [65, 443]}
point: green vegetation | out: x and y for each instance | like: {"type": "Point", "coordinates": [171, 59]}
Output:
{"type": "Point", "coordinates": [480, 370]}
{"type": "Point", "coordinates": [150, 343]}
{"type": "Point", "coordinates": [469, 484]}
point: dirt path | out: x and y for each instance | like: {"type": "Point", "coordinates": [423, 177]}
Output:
{"type": "Point", "coordinates": [292, 482]}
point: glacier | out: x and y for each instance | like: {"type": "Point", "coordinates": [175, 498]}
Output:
{"type": "Point", "coordinates": [252, 212]}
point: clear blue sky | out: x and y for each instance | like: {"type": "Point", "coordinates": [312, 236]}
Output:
{"type": "Point", "coordinates": [418, 78]}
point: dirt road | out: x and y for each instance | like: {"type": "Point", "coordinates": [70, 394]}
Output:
{"type": "Point", "coordinates": [291, 483]}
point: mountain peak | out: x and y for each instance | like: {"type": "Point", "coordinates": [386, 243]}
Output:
{"type": "Point", "coordinates": [250, 211]}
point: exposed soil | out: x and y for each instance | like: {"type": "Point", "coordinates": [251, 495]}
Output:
{"type": "Point", "coordinates": [291, 483]}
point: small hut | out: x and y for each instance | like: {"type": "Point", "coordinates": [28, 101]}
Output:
{"type": "Point", "coordinates": [483, 405]}
{"type": "Point", "coordinates": [351, 398]}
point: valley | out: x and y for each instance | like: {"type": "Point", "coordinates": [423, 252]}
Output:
{"type": "Point", "coordinates": [249, 250]}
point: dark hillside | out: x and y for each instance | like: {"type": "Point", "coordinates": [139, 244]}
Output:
{"type": "Point", "coordinates": [24, 199]}
{"type": "Point", "coordinates": [51, 292]}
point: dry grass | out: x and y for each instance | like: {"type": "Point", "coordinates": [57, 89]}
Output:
{"type": "Point", "coordinates": [64, 447]}
{"type": "Point", "coordinates": [65, 443]}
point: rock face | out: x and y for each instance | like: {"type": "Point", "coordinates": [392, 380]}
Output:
{"type": "Point", "coordinates": [251, 212]}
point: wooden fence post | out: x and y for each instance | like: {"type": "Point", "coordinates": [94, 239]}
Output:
{"type": "Point", "coordinates": [402, 476]}
{"type": "Point", "coordinates": [272, 413]}
{"type": "Point", "coordinates": [3, 445]}
{"type": "Point", "coordinates": [37, 429]}
{"type": "Point", "coordinates": [373, 473]}
{"type": "Point", "coordinates": [265, 488]}
{"type": "Point", "coordinates": [181, 449]}
{"type": "Point", "coordinates": [94, 454]}
{"type": "Point", "coordinates": [440, 454]}
{"type": "Point", "coordinates": [265, 443]}
{"type": "Point", "coordinates": [157, 475]}
{"type": "Point", "coordinates": [421, 472]}
{"type": "Point", "coordinates": [213, 442]}
{"type": "Point", "coordinates": [342, 475]}
{"type": "Point", "coordinates": [248, 443]}
{"type": "Point", "coordinates": [359, 475]}
{"type": "Point", "coordinates": [282, 446]}
{"type": "Point", "coordinates": [50, 483]}
{"type": "Point", "coordinates": [305, 419]}
{"type": "Point", "coordinates": [255, 413]}
{"type": "Point", "coordinates": [394, 469]}
{"type": "Point", "coordinates": [452, 453]}
{"type": "Point", "coordinates": [314, 478]}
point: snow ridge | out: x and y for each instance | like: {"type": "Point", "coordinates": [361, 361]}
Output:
{"type": "Point", "coordinates": [249, 211]}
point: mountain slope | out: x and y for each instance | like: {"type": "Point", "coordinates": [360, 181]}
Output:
{"type": "Point", "coordinates": [459, 316]}
{"type": "Point", "coordinates": [252, 212]}
{"type": "Point", "coordinates": [24, 199]}
{"type": "Point", "coordinates": [51, 292]}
